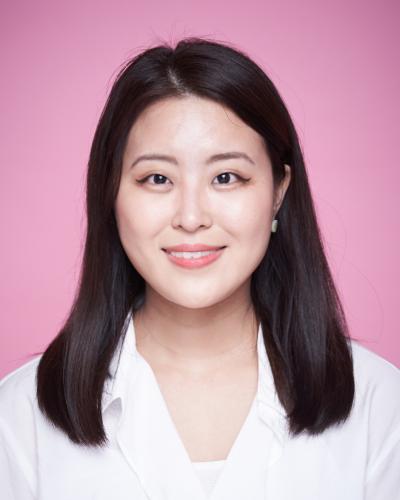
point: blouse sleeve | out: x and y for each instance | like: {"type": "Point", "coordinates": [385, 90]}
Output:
{"type": "Point", "coordinates": [383, 481]}
{"type": "Point", "coordinates": [13, 479]}
{"type": "Point", "coordinates": [18, 454]}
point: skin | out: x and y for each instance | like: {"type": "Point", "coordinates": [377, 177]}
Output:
{"type": "Point", "coordinates": [196, 320]}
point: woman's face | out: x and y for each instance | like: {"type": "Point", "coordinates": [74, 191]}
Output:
{"type": "Point", "coordinates": [194, 197]}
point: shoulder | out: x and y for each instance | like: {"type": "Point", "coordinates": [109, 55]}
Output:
{"type": "Point", "coordinates": [377, 382]}
{"type": "Point", "coordinates": [18, 386]}
{"type": "Point", "coordinates": [375, 375]}
{"type": "Point", "coordinates": [18, 407]}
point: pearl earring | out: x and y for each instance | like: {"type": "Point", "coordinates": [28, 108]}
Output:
{"type": "Point", "coordinates": [274, 225]}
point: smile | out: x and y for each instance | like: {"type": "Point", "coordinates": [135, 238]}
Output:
{"type": "Point", "coordinates": [192, 255]}
{"type": "Point", "coordinates": [194, 259]}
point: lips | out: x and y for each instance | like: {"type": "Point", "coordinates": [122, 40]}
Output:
{"type": "Point", "coordinates": [186, 247]}
{"type": "Point", "coordinates": [193, 259]}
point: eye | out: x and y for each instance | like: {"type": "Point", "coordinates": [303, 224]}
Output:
{"type": "Point", "coordinates": [225, 177]}
{"type": "Point", "coordinates": [158, 178]}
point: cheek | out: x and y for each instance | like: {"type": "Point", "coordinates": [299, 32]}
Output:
{"type": "Point", "coordinates": [135, 220]}
{"type": "Point", "coordinates": [131, 224]}
{"type": "Point", "coordinates": [248, 217]}
{"type": "Point", "coordinates": [134, 233]}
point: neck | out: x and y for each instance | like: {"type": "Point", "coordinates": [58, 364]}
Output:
{"type": "Point", "coordinates": [196, 340]}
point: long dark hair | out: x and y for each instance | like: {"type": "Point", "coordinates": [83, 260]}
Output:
{"type": "Point", "coordinates": [292, 290]}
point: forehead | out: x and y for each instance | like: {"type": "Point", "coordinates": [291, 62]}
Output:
{"type": "Point", "coordinates": [180, 125]}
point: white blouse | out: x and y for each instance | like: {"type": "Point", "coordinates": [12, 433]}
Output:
{"type": "Point", "coordinates": [145, 457]}
{"type": "Point", "coordinates": [208, 473]}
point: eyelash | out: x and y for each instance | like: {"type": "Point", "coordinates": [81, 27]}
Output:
{"type": "Point", "coordinates": [241, 179]}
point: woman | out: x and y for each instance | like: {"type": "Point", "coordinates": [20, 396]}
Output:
{"type": "Point", "coordinates": [206, 354]}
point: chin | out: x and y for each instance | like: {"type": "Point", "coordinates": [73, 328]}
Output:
{"type": "Point", "coordinates": [191, 300]}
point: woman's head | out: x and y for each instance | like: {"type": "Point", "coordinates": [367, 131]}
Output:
{"type": "Point", "coordinates": [191, 102]}
{"type": "Point", "coordinates": [216, 188]}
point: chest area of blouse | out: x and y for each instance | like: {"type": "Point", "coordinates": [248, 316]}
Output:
{"type": "Point", "coordinates": [208, 416]}
{"type": "Point", "coordinates": [305, 471]}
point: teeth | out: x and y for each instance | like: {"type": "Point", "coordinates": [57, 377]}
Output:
{"type": "Point", "coordinates": [192, 255]}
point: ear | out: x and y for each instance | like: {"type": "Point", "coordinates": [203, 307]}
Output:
{"type": "Point", "coordinates": [282, 188]}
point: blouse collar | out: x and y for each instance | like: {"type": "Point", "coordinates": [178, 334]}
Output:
{"type": "Point", "coordinates": [137, 420]}
{"type": "Point", "coordinates": [127, 359]}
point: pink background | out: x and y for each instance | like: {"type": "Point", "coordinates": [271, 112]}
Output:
{"type": "Point", "coordinates": [335, 64]}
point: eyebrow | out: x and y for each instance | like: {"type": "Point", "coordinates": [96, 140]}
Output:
{"type": "Point", "coordinates": [217, 157]}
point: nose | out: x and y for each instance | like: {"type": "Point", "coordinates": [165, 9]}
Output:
{"type": "Point", "coordinates": [193, 209]}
